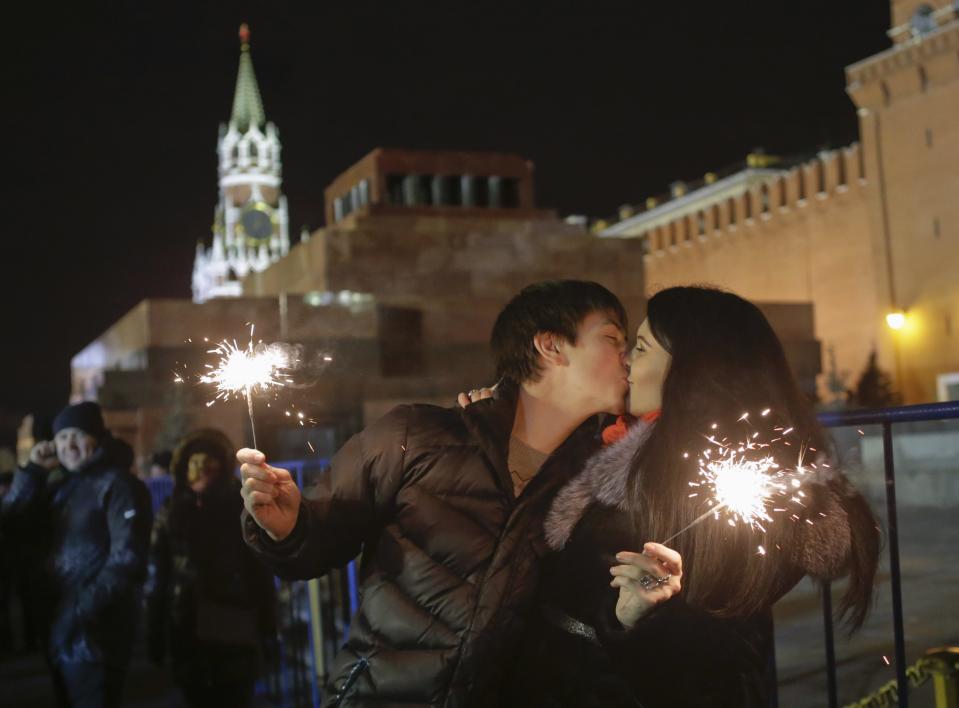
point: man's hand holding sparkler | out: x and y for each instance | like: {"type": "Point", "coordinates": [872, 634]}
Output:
{"type": "Point", "coordinates": [645, 580]}
{"type": "Point", "coordinates": [269, 494]}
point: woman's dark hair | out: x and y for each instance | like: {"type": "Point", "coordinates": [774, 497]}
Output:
{"type": "Point", "coordinates": [726, 360]}
{"type": "Point", "coordinates": [555, 306]}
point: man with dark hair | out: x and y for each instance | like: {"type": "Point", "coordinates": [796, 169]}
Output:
{"type": "Point", "coordinates": [447, 506]}
{"type": "Point", "coordinates": [77, 497]}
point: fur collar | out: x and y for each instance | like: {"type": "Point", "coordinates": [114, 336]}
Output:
{"type": "Point", "coordinates": [602, 480]}
{"type": "Point", "coordinates": [822, 550]}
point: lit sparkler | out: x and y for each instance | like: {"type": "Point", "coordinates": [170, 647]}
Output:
{"type": "Point", "coordinates": [741, 480]}
{"type": "Point", "coordinates": [243, 370]}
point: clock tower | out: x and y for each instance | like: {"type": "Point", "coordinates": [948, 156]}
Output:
{"type": "Point", "coordinates": [251, 223]}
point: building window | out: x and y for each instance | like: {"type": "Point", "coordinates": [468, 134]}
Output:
{"type": "Point", "coordinates": [394, 189]}
{"type": "Point", "coordinates": [424, 190]}
{"type": "Point", "coordinates": [364, 192]}
{"type": "Point", "coordinates": [401, 341]}
{"type": "Point", "coordinates": [731, 209]}
{"type": "Point", "coordinates": [747, 205]}
{"type": "Point", "coordinates": [509, 193]}
{"type": "Point", "coordinates": [764, 198]}
{"type": "Point", "coordinates": [480, 191]}
{"type": "Point", "coordinates": [672, 234]}
{"type": "Point", "coordinates": [886, 95]}
{"type": "Point", "coordinates": [923, 79]}
{"type": "Point", "coordinates": [820, 176]}
{"type": "Point", "coordinates": [717, 219]}
{"type": "Point", "coordinates": [495, 184]}
{"type": "Point", "coordinates": [840, 167]}
{"type": "Point", "coordinates": [801, 183]}
{"type": "Point", "coordinates": [700, 223]}
{"type": "Point", "coordinates": [452, 190]}
{"type": "Point", "coordinates": [782, 192]}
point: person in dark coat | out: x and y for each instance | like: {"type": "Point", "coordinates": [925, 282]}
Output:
{"type": "Point", "coordinates": [210, 605]}
{"type": "Point", "coordinates": [447, 506]}
{"type": "Point", "coordinates": [624, 621]}
{"type": "Point", "coordinates": [77, 496]}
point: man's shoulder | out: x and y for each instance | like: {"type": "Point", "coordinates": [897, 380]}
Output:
{"type": "Point", "coordinates": [426, 424]}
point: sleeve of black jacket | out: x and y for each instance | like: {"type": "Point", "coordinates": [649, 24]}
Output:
{"type": "Point", "coordinates": [349, 503]}
{"type": "Point", "coordinates": [677, 656]}
{"type": "Point", "coordinates": [128, 519]}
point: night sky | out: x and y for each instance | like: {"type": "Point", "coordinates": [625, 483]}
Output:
{"type": "Point", "coordinates": [110, 122]}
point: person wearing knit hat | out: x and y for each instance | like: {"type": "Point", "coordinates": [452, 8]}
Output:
{"type": "Point", "coordinates": [77, 432]}
{"type": "Point", "coordinates": [77, 502]}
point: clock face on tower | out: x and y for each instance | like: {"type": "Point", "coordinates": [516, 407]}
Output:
{"type": "Point", "coordinates": [256, 223]}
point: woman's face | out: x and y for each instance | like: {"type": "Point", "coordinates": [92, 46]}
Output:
{"type": "Point", "coordinates": [648, 364]}
{"type": "Point", "coordinates": [201, 470]}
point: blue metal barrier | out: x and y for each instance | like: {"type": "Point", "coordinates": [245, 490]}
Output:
{"type": "Point", "coordinates": [885, 417]}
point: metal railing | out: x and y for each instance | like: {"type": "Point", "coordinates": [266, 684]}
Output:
{"type": "Point", "coordinates": [314, 621]}
{"type": "Point", "coordinates": [886, 418]}
{"type": "Point", "coordinates": [327, 624]}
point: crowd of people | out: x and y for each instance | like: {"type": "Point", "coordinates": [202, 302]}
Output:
{"type": "Point", "coordinates": [511, 545]}
{"type": "Point", "coordinates": [91, 554]}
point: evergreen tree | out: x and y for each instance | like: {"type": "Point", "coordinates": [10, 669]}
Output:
{"type": "Point", "coordinates": [874, 388]}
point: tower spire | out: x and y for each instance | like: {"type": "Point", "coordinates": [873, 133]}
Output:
{"type": "Point", "coordinates": [247, 105]}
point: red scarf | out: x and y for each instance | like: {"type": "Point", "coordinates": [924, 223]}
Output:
{"type": "Point", "coordinates": [617, 431]}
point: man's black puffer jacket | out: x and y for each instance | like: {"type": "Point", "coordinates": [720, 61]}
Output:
{"type": "Point", "coordinates": [94, 527]}
{"type": "Point", "coordinates": [450, 557]}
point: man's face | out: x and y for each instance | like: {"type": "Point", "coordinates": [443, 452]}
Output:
{"type": "Point", "coordinates": [201, 470]}
{"type": "Point", "coordinates": [596, 375]}
{"type": "Point", "coordinates": [74, 448]}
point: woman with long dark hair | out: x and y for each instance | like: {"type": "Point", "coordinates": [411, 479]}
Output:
{"type": "Point", "coordinates": [625, 621]}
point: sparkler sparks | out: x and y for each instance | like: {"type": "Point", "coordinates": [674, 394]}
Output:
{"type": "Point", "coordinates": [245, 370]}
{"type": "Point", "coordinates": [740, 480]}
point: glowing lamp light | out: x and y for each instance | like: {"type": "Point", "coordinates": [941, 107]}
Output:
{"type": "Point", "coordinates": [896, 320]}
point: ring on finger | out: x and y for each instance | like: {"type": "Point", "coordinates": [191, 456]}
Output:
{"type": "Point", "coordinates": [650, 583]}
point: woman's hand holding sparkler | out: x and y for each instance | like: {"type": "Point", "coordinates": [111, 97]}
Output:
{"type": "Point", "coordinates": [645, 580]}
{"type": "Point", "coordinates": [269, 494]}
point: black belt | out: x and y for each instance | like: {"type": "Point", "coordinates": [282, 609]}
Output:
{"type": "Point", "coordinates": [570, 625]}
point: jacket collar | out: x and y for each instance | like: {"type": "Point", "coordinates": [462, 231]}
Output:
{"type": "Point", "coordinates": [490, 421]}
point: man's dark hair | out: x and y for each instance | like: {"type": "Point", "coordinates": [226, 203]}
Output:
{"type": "Point", "coordinates": [554, 306]}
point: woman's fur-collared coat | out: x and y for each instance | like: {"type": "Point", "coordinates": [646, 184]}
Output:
{"type": "Point", "coordinates": [678, 655]}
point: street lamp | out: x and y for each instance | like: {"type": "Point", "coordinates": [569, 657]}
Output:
{"type": "Point", "coordinates": [896, 320]}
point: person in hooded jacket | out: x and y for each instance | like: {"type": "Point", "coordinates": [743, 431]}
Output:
{"type": "Point", "coordinates": [77, 499]}
{"type": "Point", "coordinates": [210, 605]}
